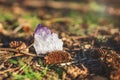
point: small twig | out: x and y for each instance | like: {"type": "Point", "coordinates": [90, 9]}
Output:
{"type": "Point", "coordinates": [17, 29]}
{"type": "Point", "coordinates": [8, 70]}
{"type": "Point", "coordinates": [30, 45]}
{"type": "Point", "coordinates": [21, 51]}
{"type": "Point", "coordinates": [29, 54]}
{"type": "Point", "coordinates": [78, 37]}
{"type": "Point", "coordinates": [68, 63]}
{"type": "Point", "coordinates": [18, 51]}
{"type": "Point", "coordinates": [9, 49]}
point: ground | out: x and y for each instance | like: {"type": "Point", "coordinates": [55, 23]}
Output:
{"type": "Point", "coordinates": [91, 39]}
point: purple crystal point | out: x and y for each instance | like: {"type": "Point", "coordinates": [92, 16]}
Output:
{"type": "Point", "coordinates": [42, 29]}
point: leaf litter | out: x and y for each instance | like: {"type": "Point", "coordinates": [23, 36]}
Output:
{"type": "Point", "coordinates": [94, 56]}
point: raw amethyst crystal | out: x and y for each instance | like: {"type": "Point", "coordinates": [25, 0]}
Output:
{"type": "Point", "coordinates": [45, 41]}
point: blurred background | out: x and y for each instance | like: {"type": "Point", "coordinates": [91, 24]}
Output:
{"type": "Point", "coordinates": [74, 16]}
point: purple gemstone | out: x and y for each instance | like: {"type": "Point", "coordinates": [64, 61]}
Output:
{"type": "Point", "coordinates": [42, 30]}
{"type": "Point", "coordinates": [45, 41]}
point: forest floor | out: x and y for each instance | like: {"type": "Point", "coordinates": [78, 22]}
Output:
{"type": "Point", "coordinates": [92, 39]}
